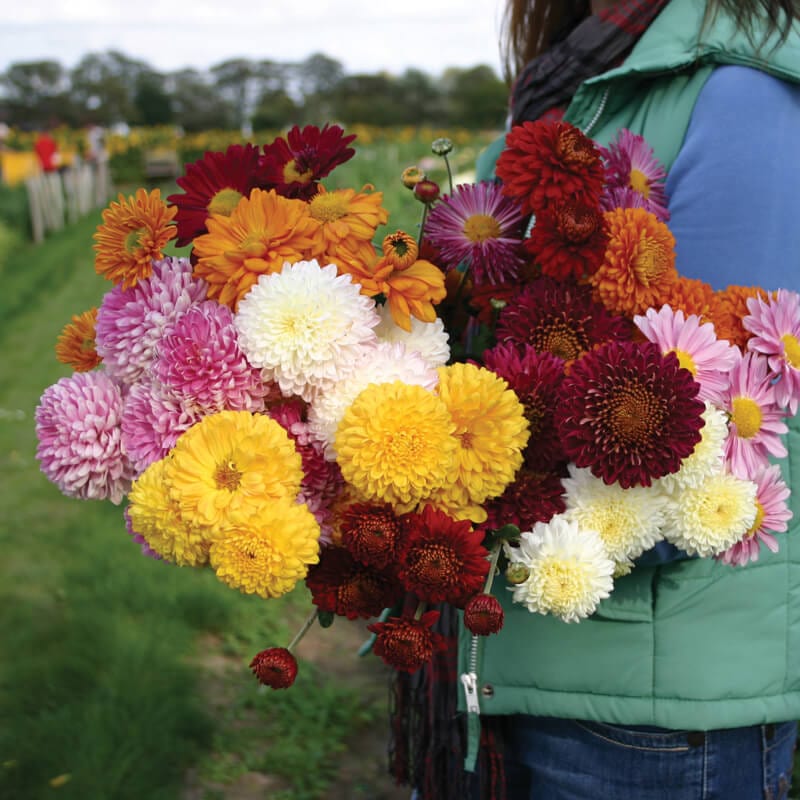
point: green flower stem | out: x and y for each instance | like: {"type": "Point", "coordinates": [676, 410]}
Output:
{"type": "Point", "coordinates": [422, 224]}
{"type": "Point", "coordinates": [312, 618]}
{"type": "Point", "coordinates": [487, 587]}
{"type": "Point", "coordinates": [449, 173]}
{"type": "Point", "coordinates": [419, 611]}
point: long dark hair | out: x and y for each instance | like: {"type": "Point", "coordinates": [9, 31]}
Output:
{"type": "Point", "coordinates": [529, 26]}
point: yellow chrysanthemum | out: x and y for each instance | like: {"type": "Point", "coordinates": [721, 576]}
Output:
{"type": "Point", "coordinates": [345, 218]}
{"type": "Point", "coordinates": [133, 234]}
{"type": "Point", "coordinates": [75, 346]}
{"type": "Point", "coordinates": [156, 516]}
{"type": "Point", "coordinates": [491, 430]}
{"type": "Point", "coordinates": [395, 443]}
{"type": "Point", "coordinates": [262, 232]}
{"type": "Point", "coordinates": [230, 461]}
{"type": "Point", "coordinates": [267, 550]}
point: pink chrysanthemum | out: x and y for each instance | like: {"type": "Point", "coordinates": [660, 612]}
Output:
{"type": "Point", "coordinates": [772, 516]}
{"type": "Point", "coordinates": [696, 346]}
{"type": "Point", "coordinates": [152, 421]}
{"type": "Point", "coordinates": [756, 419]}
{"type": "Point", "coordinates": [131, 321]}
{"type": "Point", "coordinates": [80, 437]}
{"type": "Point", "coordinates": [629, 413]}
{"type": "Point", "coordinates": [199, 360]}
{"type": "Point", "coordinates": [621, 197]}
{"type": "Point", "coordinates": [536, 379]}
{"type": "Point", "coordinates": [632, 165]}
{"type": "Point", "coordinates": [775, 325]}
{"type": "Point", "coordinates": [476, 224]}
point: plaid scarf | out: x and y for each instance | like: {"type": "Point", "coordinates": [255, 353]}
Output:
{"type": "Point", "coordinates": [599, 42]}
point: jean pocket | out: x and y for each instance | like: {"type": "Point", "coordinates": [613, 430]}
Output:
{"type": "Point", "coordinates": [637, 738]}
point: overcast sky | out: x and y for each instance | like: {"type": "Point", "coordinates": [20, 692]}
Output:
{"type": "Point", "coordinates": [365, 35]}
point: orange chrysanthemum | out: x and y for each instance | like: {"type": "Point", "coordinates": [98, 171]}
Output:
{"type": "Point", "coordinates": [690, 295]}
{"type": "Point", "coordinates": [133, 235]}
{"type": "Point", "coordinates": [728, 308]}
{"type": "Point", "coordinates": [75, 346]}
{"type": "Point", "coordinates": [263, 231]}
{"type": "Point", "coordinates": [400, 249]}
{"type": "Point", "coordinates": [345, 218]}
{"type": "Point", "coordinates": [639, 261]}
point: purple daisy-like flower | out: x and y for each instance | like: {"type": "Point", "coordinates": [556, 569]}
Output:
{"type": "Point", "coordinates": [131, 321]}
{"type": "Point", "coordinates": [479, 225]}
{"type": "Point", "coordinates": [80, 437]}
{"type": "Point", "coordinates": [631, 164]}
{"type": "Point", "coordinates": [152, 421]}
{"type": "Point", "coordinates": [199, 360]}
{"type": "Point", "coordinates": [139, 539]}
{"type": "Point", "coordinates": [775, 325]}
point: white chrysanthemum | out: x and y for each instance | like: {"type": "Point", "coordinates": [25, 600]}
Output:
{"type": "Point", "coordinates": [629, 521]}
{"type": "Point", "coordinates": [708, 455]}
{"type": "Point", "coordinates": [305, 326]}
{"type": "Point", "coordinates": [383, 362]}
{"type": "Point", "coordinates": [429, 339]}
{"type": "Point", "coordinates": [569, 571]}
{"type": "Point", "coordinates": [707, 519]}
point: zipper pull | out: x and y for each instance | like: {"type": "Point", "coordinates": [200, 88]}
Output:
{"type": "Point", "coordinates": [470, 683]}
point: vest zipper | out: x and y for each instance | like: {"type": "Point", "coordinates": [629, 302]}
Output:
{"type": "Point", "coordinates": [469, 680]}
{"type": "Point", "coordinates": [597, 114]}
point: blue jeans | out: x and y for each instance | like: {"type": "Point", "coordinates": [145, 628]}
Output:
{"type": "Point", "coordinates": [553, 759]}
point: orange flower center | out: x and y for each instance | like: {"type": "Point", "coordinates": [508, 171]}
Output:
{"type": "Point", "coordinates": [791, 349]}
{"type": "Point", "coordinates": [577, 225]}
{"type": "Point", "coordinates": [638, 182]}
{"type": "Point", "coordinates": [650, 262]}
{"type": "Point", "coordinates": [224, 201]}
{"type": "Point", "coordinates": [534, 413]}
{"type": "Point", "coordinates": [480, 227]}
{"type": "Point", "coordinates": [434, 565]}
{"type": "Point", "coordinates": [292, 175]}
{"type": "Point", "coordinates": [328, 207]}
{"type": "Point", "coordinates": [227, 476]}
{"type": "Point", "coordinates": [632, 413]}
{"type": "Point", "coordinates": [575, 148]}
{"type": "Point", "coordinates": [746, 416]}
{"type": "Point", "coordinates": [561, 341]}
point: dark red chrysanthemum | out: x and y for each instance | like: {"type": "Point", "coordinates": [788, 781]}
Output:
{"type": "Point", "coordinates": [406, 643]}
{"type": "Point", "coordinates": [559, 318]}
{"type": "Point", "coordinates": [629, 413]}
{"type": "Point", "coordinates": [439, 559]}
{"type": "Point", "coordinates": [371, 534]}
{"type": "Point", "coordinates": [341, 585]}
{"type": "Point", "coordinates": [483, 615]}
{"type": "Point", "coordinates": [549, 161]}
{"type": "Point", "coordinates": [214, 184]}
{"type": "Point", "coordinates": [568, 240]}
{"type": "Point", "coordinates": [293, 166]}
{"type": "Point", "coordinates": [275, 667]}
{"type": "Point", "coordinates": [533, 497]}
{"type": "Point", "coordinates": [536, 380]}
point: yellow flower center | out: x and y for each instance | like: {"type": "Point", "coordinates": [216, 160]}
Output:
{"type": "Point", "coordinates": [224, 201]}
{"type": "Point", "coordinates": [686, 361]}
{"type": "Point", "coordinates": [638, 181]}
{"type": "Point", "coordinates": [292, 175]}
{"type": "Point", "coordinates": [649, 263]}
{"type": "Point", "coordinates": [746, 416]}
{"type": "Point", "coordinates": [133, 241]}
{"type": "Point", "coordinates": [720, 511]}
{"type": "Point", "coordinates": [791, 349]}
{"type": "Point", "coordinates": [328, 207]}
{"type": "Point", "coordinates": [480, 227]}
{"type": "Point", "coordinates": [563, 584]}
{"type": "Point", "coordinates": [403, 447]}
{"type": "Point", "coordinates": [227, 476]}
{"type": "Point", "coordinates": [760, 513]}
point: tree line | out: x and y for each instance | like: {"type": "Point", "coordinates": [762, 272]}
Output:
{"type": "Point", "coordinates": [109, 87]}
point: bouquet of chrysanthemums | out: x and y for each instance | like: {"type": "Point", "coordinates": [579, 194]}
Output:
{"type": "Point", "coordinates": [389, 417]}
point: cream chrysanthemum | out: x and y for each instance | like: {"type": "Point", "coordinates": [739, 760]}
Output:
{"type": "Point", "coordinates": [305, 326]}
{"type": "Point", "coordinates": [629, 521]}
{"type": "Point", "coordinates": [157, 517]}
{"type": "Point", "coordinates": [569, 572]}
{"type": "Point", "coordinates": [267, 550]}
{"type": "Point", "coordinates": [707, 458]}
{"type": "Point", "coordinates": [429, 339]}
{"type": "Point", "coordinates": [706, 519]}
{"type": "Point", "coordinates": [491, 429]}
{"type": "Point", "coordinates": [230, 461]}
{"type": "Point", "coordinates": [395, 444]}
{"type": "Point", "coordinates": [380, 363]}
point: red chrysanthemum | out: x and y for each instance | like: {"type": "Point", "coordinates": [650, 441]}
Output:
{"type": "Point", "coordinates": [293, 166]}
{"type": "Point", "coordinates": [341, 585]}
{"type": "Point", "coordinates": [441, 560]}
{"type": "Point", "coordinates": [536, 380]}
{"type": "Point", "coordinates": [549, 161]}
{"type": "Point", "coordinates": [275, 667]}
{"type": "Point", "coordinates": [559, 318]}
{"type": "Point", "coordinates": [405, 643]}
{"type": "Point", "coordinates": [483, 615]}
{"type": "Point", "coordinates": [533, 497]}
{"type": "Point", "coordinates": [629, 413]}
{"type": "Point", "coordinates": [371, 533]}
{"type": "Point", "coordinates": [214, 185]}
{"type": "Point", "coordinates": [568, 240]}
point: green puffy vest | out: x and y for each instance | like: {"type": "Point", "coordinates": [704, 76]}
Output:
{"type": "Point", "coordinates": [694, 644]}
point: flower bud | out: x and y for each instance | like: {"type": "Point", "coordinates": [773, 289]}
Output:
{"type": "Point", "coordinates": [517, 573]}
{"type": "Point", "coordinates": [483, 615]}
{"type": "Point", "coordinates": [411, 176]}
{"type": "Point", "coordinates": [441, 146]}
{"type": "Point", "coordinates": [275, 667]}
{"type": "Point", "coordinates": [427, 191]}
